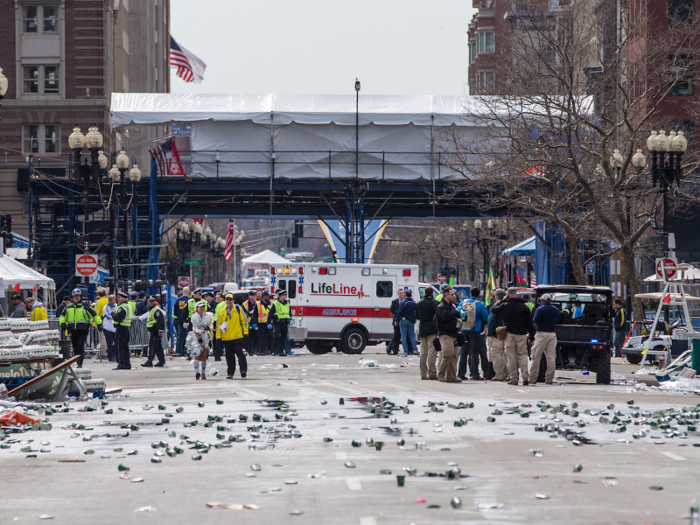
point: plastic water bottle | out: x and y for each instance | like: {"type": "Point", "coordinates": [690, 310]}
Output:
{"type": "Point", "coordinates": [694, 513]}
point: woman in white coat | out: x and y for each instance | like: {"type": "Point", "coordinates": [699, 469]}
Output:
{"type": "Point", "coordinates": [198, 339]}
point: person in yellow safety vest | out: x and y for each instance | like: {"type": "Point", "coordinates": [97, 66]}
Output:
{"type": "Point", "coordinates": [192, 303]}
{"type": "Point", "coordinates": [37, 310]}
{"type": "Point", "coordinates": [251, 308]}
{"type": "Point", "coordinates": [132, 302]}
{"type": "Point", "coordinates": [218, 343]}
{"type": "Point", "coordinates": [155, 324]}
{"type": "Point", "coordinates": [531, 303]}
{"type": "Point", "coordinates": [280, 316]}
{"type": "Point", "coordinates": [232, 328]}
{"type": "Point", "coordinates": [266, 332]}
{"type": "Point", "coordinates": [122, 320]}
{"type": "Point", "coordinates": [76, 319]}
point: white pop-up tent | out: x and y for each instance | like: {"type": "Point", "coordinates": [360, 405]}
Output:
{"type": "Point", "coordinates": [261, 261]}
{"type": "Point", "coordinates": [13, 273]}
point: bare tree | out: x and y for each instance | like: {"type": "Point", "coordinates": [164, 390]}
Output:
{"type": "Point", "coordinates": [580, 94]}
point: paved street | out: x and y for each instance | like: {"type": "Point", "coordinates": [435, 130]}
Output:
{"type": "Point", "coordinates": [498, 482]}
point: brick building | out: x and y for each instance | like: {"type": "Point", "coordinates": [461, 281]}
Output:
{"type": "Point", "coordinates": [63, 60]}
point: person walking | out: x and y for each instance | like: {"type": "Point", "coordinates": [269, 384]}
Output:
{"type": "Point", "coordinates": [425, 311]}
{"type": "Point", "coordinates": [266, 333]}
{"type": "Point", "coordinates": [199, 337]}
{"type": "Point", "coordinates": [18, 309]}
{"type": "Point", "coordinates": [495, 346]}
{"type": "Point", "coordinates": [621, 326]}
{"type": "Point", "coordinates": [518, 323]}
{"type": "Point", "coordinates": [122, 320]}
{"type": "Point", "coordinates": [77, 318]}
{"type": "Point", "coordinates": [545, 320]}
{"type": "Point", "coordinates": [406, 315]}
{"type": "Point", "coordinates": [232, 328]}
{"type": "Point", "coordinates": [108, 328]}
{"type": "Point", "coordinates": [211, 302]}
{"type": "Point", "coordinates": [155, 324]}
{"type": "Point", "coordinates": [61, 307]}
{"type": "Point", "coordinates": [443, 288]}
{"type": "Point", "coordinates": [474, 318]}
{"type": "Point", "coordinates": [250, 306]}
{"type": "Point", "coordinates": [448, 326]}
{"type": "Point", "coordinates": [280, 316]}
{"type": "Point", "coordinates": [218, 343]}
{"type": "Point", "coordinates": [181, 319]}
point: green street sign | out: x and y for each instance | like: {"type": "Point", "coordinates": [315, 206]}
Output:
{"type": "Point", "coordinates": [197, 272]}
{"type": "Point", "coordinates": [193, 262]}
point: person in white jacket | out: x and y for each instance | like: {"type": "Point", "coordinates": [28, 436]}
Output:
{"type": "Point", "coordinates": [109, 329]}
{"type": "Point", "coordinates": [198, 339]}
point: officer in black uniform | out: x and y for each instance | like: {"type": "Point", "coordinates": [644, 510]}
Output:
{"type": "Point", "coordinates": [122, 320]}
{"type": "Point", "coordinates": [156, 327]}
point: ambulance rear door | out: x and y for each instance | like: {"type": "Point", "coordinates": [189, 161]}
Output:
{"type": "Point", "coordinates": [383, 292]}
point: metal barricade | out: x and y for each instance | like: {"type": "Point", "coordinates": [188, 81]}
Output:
{"type": "Point", "coordinates": [138, 337]}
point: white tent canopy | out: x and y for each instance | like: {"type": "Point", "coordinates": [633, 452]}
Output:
{"type": "Point", "coordinates": [14, 273]}
{"type": "Point", "coordinates": [261, 261]}
{"type": "Point", "coordinates": [690, 273]}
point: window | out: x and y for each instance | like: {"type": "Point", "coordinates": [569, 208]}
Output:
{"type": "Point", "coordinates": [485, 42]}
{"type": "Point", "coordinates": [472, 52]}
{"type": "Point", "coordinates": [282, 284]}
{"type": "Point", "coordinates": [41, 138]}
{"type": "Point", "coordinates": [385, 288]}
{"type": "Point", "coordinates": [32, 14]}
{"type": "Point", "coordinates": [41, 80]}
{"type": "Point", "coordinates": [292, 291]}
{"type": "Point", "coordinates": [680, 13]}
{"type": "Point", "coordinates": [681, 75]}
{"type": "Point", "coordinates": [485, 82]}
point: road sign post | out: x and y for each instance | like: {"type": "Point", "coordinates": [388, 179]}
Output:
{"type": "Point", "coordinates": [667, 266]}
{"type": "Point", "coordinates": [86, 265]}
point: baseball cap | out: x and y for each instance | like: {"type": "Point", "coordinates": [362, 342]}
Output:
{"type": "Point", "coordinates": [444, 286]}
{"type": "Point", "coordinates": [203, 304]}
{"type": "Point", "coordinates": [142, 295]}
{"type": "Point", "coordinates": [265, 292]}
{"type": "Point", "coordinates": [229, 296]}
{"type": "Point", "coordinates": [546, 297]}
{"type": "Point", "coordinates": [17, 296]}
{"type": "Point", "coordinates": [252, 292]}
{"type": "Point", "coordinates": [209, 294]}
{"type": "Point", "coordinates": [134, 294]}
{"type": "Point", "coordinates": [151, 299]}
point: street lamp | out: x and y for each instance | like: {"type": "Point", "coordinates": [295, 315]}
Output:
{"type": "Point", "coordinates": [77, 141]}
{"type": "Point", "coordinates": [666, 153]}
{"type": "Point", "coordinates": [483, 243]}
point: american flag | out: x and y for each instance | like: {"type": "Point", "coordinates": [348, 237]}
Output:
{"type": "Point", "coordinates": [190, 68]}
{"type": "Point", "coordinates": [168, 160]}
{"type": "Point", "coordinates": [228, 249]}
{"type": "Point", "coordinates": [533, 280]}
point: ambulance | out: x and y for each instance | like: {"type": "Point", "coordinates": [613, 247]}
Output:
{"type": "Point", "coordinates": [342, 305]}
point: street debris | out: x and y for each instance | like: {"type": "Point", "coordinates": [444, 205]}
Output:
{"type": "Point", "coordinates": [233, 506]}
{"type": "Point", "coordinates": [147, 508]}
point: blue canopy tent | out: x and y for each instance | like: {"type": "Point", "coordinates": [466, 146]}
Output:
{"type": "Point", "coordinates": [527, 247]}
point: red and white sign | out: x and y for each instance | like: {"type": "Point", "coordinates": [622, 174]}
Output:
{"type": "Point", "coordinates": [183, 281]}
{"type": "Point", "coordinates": [86, 265]}
{"type": "Point", "coordinates": [441, 278]}
{"type": "Point", "coordinates": [670, 266]}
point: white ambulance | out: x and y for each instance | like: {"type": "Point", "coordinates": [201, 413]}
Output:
{"type": "Point", "coordinates": [342, 305]}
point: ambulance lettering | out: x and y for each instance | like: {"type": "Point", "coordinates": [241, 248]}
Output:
{"type": "Point", "coordinates": [338, 290]}
{"type": "Point", "coordinates": [340, 312]}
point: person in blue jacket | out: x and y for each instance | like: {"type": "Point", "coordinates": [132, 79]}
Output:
{"type": "Point", "coordinates": [406, 318]}
{"type": "Point", "coordinates": [474, 318]}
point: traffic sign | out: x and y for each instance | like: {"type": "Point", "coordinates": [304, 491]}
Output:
{"type": "Point", "coordinates": [86, 265]}
{"type": "Point", "coordinates": [193, 262]}
{"type": "Point", "coordinates": [669, 263]}
{"type": "Point", "coordinates": [183, 281]}
{"type": "Point", "coordinates": [197, 272]}
{"type": "Point", "coordinates": [441, 278]}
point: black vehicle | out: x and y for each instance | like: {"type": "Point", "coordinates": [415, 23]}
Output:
{"type": "Point", "coordinates": [583, 343]}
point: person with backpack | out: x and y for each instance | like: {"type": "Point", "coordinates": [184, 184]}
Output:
{"type": "Point", "coordinates": [474, 318]}
{"type": "Point", "coordinates": [621, 325]}
{"type": "Point", "coordinates": [425, 311]}
{"type": "Point", "coordinates": [494, 344]}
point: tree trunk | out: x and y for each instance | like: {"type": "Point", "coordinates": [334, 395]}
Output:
{"type": "Point", "coordinates": [632, 283]}
{"type": "Point", "coordinates": [575, 260]}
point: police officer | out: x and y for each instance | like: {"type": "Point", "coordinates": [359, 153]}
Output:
{"type": "Point", "coordinates": [181, 319]}
{"type": "Point", "coordinates": [132, 302]}
{"type": "Point", "coordinates": [156, 327]}
{"type": "Point", "coordinates": [251, 307]}
{"type": "Point", "coordinates": [192, 303]}
{"type": "Point", "coordinates": [280, 315]}
{"type": "Point", "coordinates": [265, 329]}
{"type": "Point", "coordinates": [76, 319]}
{"type": "Point", "coordinates": [122, 321]}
